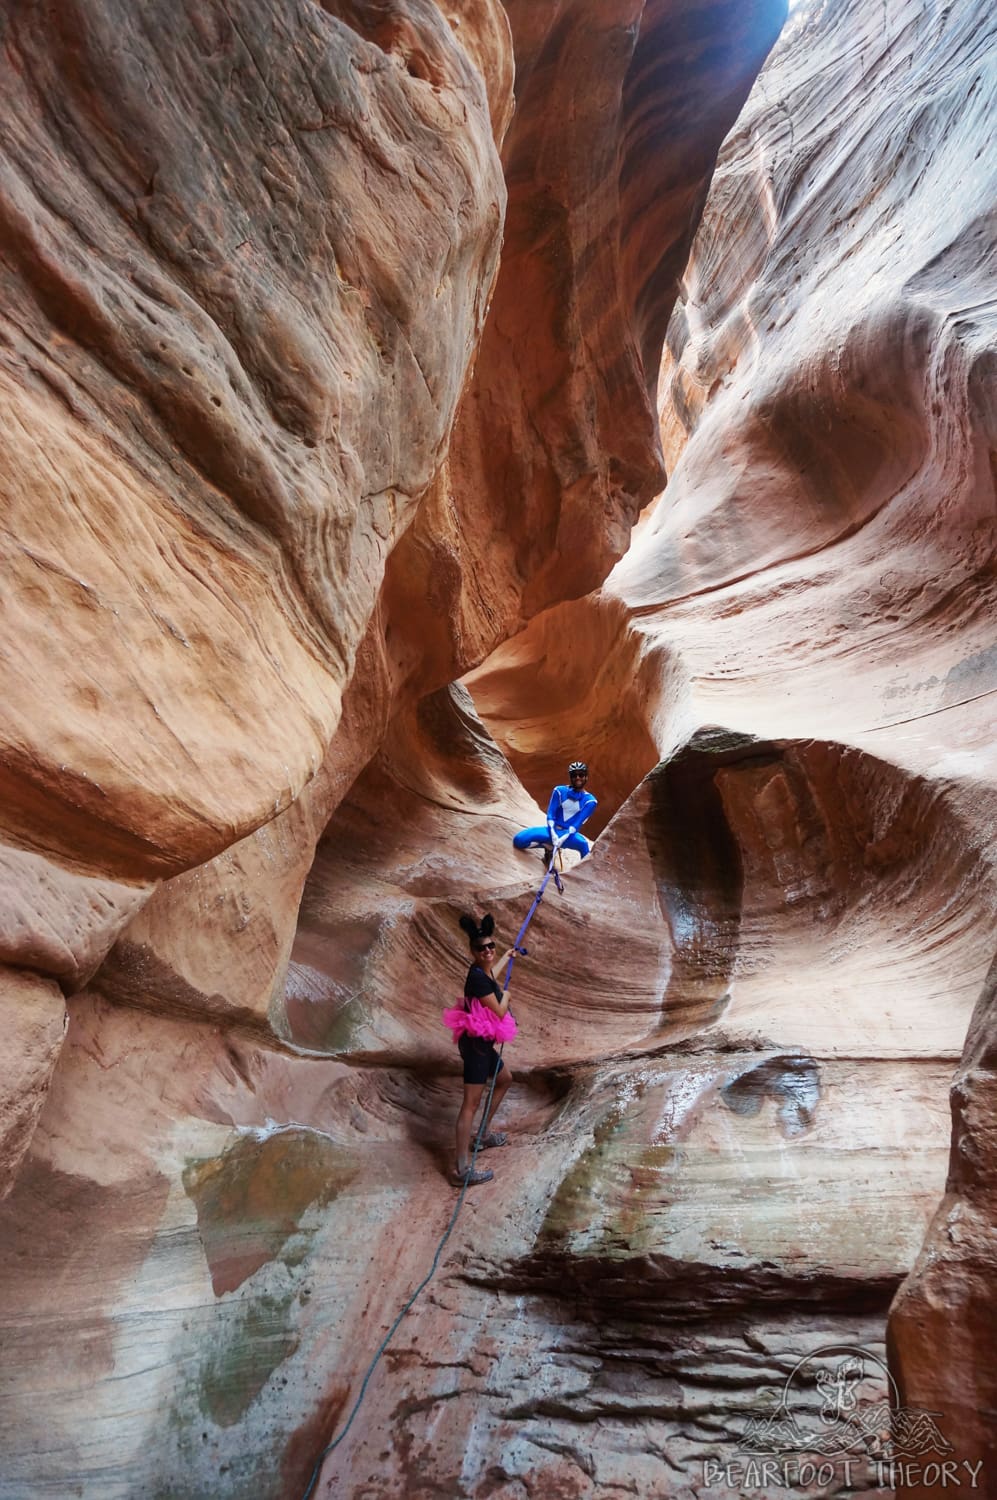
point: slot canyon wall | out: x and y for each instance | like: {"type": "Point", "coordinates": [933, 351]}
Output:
{"type": "Point", "coordinates": [809, 610]}
{"type": "Point", "coordinates": [330, 342]}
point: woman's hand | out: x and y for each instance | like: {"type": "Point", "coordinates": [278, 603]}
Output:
{"type": "Point", "coordinates": [499, 1007]}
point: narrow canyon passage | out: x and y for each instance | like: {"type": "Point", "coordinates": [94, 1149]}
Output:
{"type": "Point", "coordinates": [405, 399]}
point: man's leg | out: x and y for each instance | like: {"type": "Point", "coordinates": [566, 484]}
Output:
{"type": "Point", "coordinates": [531, 838]}
{"type": "Point", "coordinates": [579, 843]}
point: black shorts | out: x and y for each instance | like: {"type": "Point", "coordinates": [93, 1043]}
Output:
{"type": "Point", "coordinates": [480, 1058]}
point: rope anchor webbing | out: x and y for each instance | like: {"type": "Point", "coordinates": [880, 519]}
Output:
{"type": "Point", "coordinates": [517, 951]}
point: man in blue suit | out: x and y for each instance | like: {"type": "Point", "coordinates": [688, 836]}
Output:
{"type": "Point", "coordinates": [569, 807]}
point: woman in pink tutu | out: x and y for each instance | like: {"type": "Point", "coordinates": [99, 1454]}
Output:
{"type": "Point", "coordinates": [477, 1024]}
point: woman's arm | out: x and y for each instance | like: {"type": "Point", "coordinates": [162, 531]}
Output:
{"type": "Point", "coordinates": [499, 1007]}
{"type": "Point", "coordinates": [481, 986]}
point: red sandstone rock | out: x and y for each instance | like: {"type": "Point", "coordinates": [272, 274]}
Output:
{"type": "Point", "coordinates": [248, 256]}
{"type": "Point", "coordinates": [729, 1126]}
{"type": "Point", "coordinates": [428, 824]}
{"type": "Point", "coordinates": [942, 1319]}
{"type": "Point", "coordinates": [34, 1022]}
{"type": "Point", "coordinates": [58, 922]}
{"type": "Point", "coordinates": [620, 110]}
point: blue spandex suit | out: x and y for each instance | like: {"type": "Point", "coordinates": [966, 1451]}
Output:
{"type": "Point", "coordinates": [566, 812]}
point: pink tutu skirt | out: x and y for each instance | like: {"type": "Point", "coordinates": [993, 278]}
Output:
{"type": "Point", "coordinates": [480, 1021]}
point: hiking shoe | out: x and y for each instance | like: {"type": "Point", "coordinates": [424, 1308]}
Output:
{"type": "Point", "coordinates": [467, 1178]}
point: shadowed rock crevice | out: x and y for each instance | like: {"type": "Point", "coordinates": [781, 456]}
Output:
{"type": "Point", "coordinates": [947, 1301]}
{"type": "Point", "coordinates": [548, 465]}
{"type": "Point", "coordinates": [656, 1287]}
{"type": "Point", "coordinates": [697, 864]}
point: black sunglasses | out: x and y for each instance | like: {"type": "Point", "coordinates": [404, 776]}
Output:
{"type": "Point", "coordinates": [484, 947]}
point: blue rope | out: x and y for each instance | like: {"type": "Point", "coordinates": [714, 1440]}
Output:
{"type": "Point", "coordinates": [517, 951]}
{"type": "Point", "coordinates": [517, 948]}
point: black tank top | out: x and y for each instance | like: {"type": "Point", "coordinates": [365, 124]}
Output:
{"type": "Point", "coordinates": [478, 984]}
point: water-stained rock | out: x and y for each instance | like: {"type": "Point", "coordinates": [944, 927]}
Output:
{"type": "Point", "coordinates": [251, 1198]}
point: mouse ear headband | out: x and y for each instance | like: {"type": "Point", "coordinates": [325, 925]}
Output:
{"type": "Point", "coordinates": [475, 931]}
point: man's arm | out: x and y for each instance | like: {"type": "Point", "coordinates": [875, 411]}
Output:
{"type": "Point", "coordinates": [585, 811]}
{"type": "Point", "coordinates": [553, 810]}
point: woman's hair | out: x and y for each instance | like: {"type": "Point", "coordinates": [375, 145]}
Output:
{"type": "Point", "coordinates": [476, 931]}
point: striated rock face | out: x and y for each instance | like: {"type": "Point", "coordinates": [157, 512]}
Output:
{"type": "Point", "coordinates": [729, 889]}
{"type": "Point", "coordinates": [276, 476]}
{"type": "Point", "coordinates": [34, 1024]}
{"type": "Point", "coordinates": [947, 1302]}
{"type": "Point", "coordinates": [217, 426]}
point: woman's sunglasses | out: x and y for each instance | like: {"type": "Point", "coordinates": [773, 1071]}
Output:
{"type": "Point", "coordinates": [485, 948]}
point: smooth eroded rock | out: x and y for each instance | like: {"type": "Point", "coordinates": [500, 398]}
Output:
{"type": "Point", "coordinates": [248, 259]}
{"type": "Point", "coordinates": [34, 1023]}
